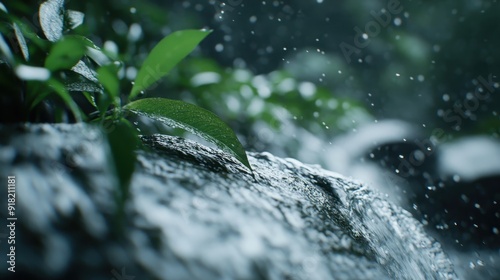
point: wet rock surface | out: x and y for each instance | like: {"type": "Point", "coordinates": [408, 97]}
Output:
{"type": "Point", "coordinates": [195, 213]}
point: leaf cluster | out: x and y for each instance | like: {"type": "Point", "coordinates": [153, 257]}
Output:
{"type": "Point", "coordinates": [62, 76]}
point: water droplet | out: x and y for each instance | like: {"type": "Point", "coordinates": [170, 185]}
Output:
{"type": "Point", "coordinates": [134, 32]}
{"type": "Point", "coordinates": [219, 47]}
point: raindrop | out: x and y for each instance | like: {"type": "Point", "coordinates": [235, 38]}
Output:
{"type": "Point", "coordinates": [134, 32]}
{"type": "Point", "coordinates": [397, 21]}
{"type": "Point", "coordinates": [111, 47]}
{"type": "Point", "coordinates": [307, 89]}
{"type": "Point", "coordinates": [219, 48]}
{"type": "Point", "coordinates": [131, 73]}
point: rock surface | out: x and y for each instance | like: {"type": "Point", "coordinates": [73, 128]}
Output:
{"type": "Point", "coordinates": [195, 213]}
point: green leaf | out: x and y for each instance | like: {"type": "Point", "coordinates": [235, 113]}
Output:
{"type": "Point", "coordinates": [5, 50]}
{"type": "Point", "coordinates": [98, 55]}
{"type": "Point", "coordinates": [164, 56]}
{"type": "Point", "coordinates": [193, 119]}
{"type": "Point", "coordinates": [90, 98]}
{"type": "Point", "coordinates": [65, 54]}
{"type": "Point", "coordinates": [60, 90]}
{"type": "Point", "coordinates": [108, 77]}
{"type": "Point", "coordinates": [123, 141]}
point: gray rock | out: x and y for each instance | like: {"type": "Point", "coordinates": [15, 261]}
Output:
{"type": "Point", "coordinates": [195, 213]}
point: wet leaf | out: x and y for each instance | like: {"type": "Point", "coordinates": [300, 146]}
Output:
{"type": "Point", "coordinates": [90, 98]}
{"type": "Point", "coordinates": [123, 141]}
{"type": "Point", "coordinates": [108, 77]}
{"type": "Point", "coordinates": [6, 52]}
{"type": "Point", "coordinates": [83, 86]}
{"type": "Point", "coordinates": [65, 54]}
{"type": "Point", "coordinates": [82, 69]}
{"type": "Point", "coordinates": [92, 50]}
{"type": "Point", "coordinates": [60, 90]}
{"type": "Point", "coordinates": [193, 119]}
{"type": "Point", "coordinates": [51, 16]}
{"type": "Point", "coordinates": [164, 56]}
{"type": "Point", "coordinates": [74, 18]}
{"type": "Point", "coordinates": [22, 42]}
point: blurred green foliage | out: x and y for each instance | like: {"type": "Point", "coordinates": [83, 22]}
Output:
{"type": "Point", "coordinates": [258, 67]}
